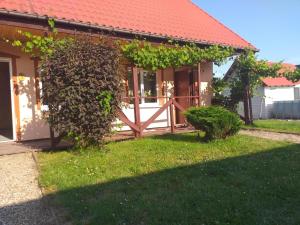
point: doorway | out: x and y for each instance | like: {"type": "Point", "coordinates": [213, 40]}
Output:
{"type": "Point", "coordinates": [182, 85]}
{"type": "Point", "coordinates": [6, 122]}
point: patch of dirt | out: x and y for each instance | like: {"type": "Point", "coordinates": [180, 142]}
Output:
{"type": "Point", "coordinates": [294, 138]}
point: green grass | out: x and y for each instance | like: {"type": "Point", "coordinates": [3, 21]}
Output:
{"type": "Point", "coordinates": [290, 126]}
{"type": "Point", "coordinates": [175, 179]}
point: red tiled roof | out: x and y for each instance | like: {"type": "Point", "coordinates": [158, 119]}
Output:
{"type": "Point", "coordinates": [281, 81]}
{"type": "Point", "coordinates": [277, 82]}
{"type": "Point", "coordinates": [176, 19]}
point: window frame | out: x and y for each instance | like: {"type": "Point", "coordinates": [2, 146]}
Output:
{"type": "Point", "coordinates": [143, 103]}
{"type": "Point", "coordinates": [142, 89]}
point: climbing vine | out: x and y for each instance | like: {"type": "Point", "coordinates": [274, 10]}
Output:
{"type": "Point", "coordinates": [293, 75]}
{"type": "Point", "coordinates": [39, 45]}
{"type": "Point", "coordinates": [105, 99]}
{"type": "Point", "coordinates": [149, 56]}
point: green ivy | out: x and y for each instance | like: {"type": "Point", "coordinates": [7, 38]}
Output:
{"type": "Point", "coordinates": [105, 98]}
{"type": "Point", "coordinates": [39, 45]}
{"type": "Point", "coordinates": [149, 56]}
{"type": "Point", "coordinates": [294, 75]}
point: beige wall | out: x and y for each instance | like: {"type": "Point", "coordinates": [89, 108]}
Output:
{"type": "Point", "coordinates": [31, 122]}
{"type": "Point", "coordinates": [206, 78]}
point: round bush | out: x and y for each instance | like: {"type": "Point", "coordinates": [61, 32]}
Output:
{"type": "Point", "coordinates": [215, 121]}
{"type": "Point", "coordinates": [82, 88]}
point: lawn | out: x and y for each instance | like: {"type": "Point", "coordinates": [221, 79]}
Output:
{"type": "Point", "coordinates": [290, 126]}
{"type": "Point", "coordinates": [175, 179]}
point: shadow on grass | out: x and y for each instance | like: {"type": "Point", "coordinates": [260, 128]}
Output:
{"type": "Point", "coordinates": [258, 189]}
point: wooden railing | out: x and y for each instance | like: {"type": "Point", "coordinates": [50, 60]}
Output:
{"type": "Point", "coordinates": [138, 127]}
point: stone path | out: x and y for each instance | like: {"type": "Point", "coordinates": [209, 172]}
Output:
{"type": "Point", "coordinates": [21, 200]}
{"type": "Point", "coordinates": [273, 135]}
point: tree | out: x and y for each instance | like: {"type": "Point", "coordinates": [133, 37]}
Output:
{"type": "Point", "coordinates": [250, 70]}
{"type": "Point", "coordinates": [293, 75]}
{"type": "Point", "coordinates": [219, 86]}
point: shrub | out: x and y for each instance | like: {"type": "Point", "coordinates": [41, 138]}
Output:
{"type": "Point", "coordinates": [82, 88]}
{"type": "Point", "coordinates": [215, 121]}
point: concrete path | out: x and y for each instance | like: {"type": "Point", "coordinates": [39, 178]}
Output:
{"type": "Point", "coordinates": [21, 200]}
{"type": "Point", "coordinates": [9, 148]}
{"type": "Point", "coordinates": [294, 138]}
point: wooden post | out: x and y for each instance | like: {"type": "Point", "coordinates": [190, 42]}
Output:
{"type": "Point", "coordinates": [16, 99]}
{"type": "Point", "coordinates": [163, 82]}
{"type": "Point", "coordinates": [199, 84]}
{"type": "Point", "coordinates": [37, 83]}
{"type": "Point", "coordinates": [137, 117]}
{"type": "Point", "coordinates": [172, 117]}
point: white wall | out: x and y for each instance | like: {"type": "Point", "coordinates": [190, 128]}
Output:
{"type": "Point", "coordinates": [273, 94]}
{"type": "Point", "coordinates": [279, 94]}
{"type": "Point", "coordinates": [264, 97]}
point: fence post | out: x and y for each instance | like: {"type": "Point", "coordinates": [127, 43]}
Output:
{"type": "Point", "coordinates": [137, 117]}
{"type": "Point", "coordinates": [172, 117]}
{"type": "Point", "coordinates": [199, 84]}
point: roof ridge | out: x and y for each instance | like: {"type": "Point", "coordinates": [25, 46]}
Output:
{"type": "Point", "coordinates": [236, 34]}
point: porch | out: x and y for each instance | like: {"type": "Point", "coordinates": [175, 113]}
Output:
{"type": "Point", "coordinates": [156, 100]}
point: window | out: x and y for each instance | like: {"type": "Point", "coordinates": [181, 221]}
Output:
{"type": "Point", "coordinates": [297, 93]}
{"type": "Point", "coordinates": [147, 86]}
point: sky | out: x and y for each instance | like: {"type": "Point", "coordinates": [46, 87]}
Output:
{"type": "Point", "coordinates": [273, 26]}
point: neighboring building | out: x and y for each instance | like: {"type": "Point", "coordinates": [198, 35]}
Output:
{"type": "Point", "coordinates": [273, 92]}
{"type": "Point", "coordinates": [156, 20]}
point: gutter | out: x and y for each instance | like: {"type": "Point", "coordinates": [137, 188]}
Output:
{"type": "Point", "coordinates": [112, 29]}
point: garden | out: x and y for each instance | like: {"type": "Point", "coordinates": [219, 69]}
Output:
{"type": "Point", "coordinates": [210, 176]}
{"type": "Point", "coordinates": [176, 179]}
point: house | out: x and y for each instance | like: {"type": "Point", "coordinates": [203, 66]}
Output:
{"type": "Point", "coordinates": [156, 20]}
{"type": "Point", "coordinates": [272, 94]}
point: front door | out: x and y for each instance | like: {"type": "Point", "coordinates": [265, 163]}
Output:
{"type": "Point", "coordinates": [6, 128]}
{"type": "Point", "coordinates": [182, 88]}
